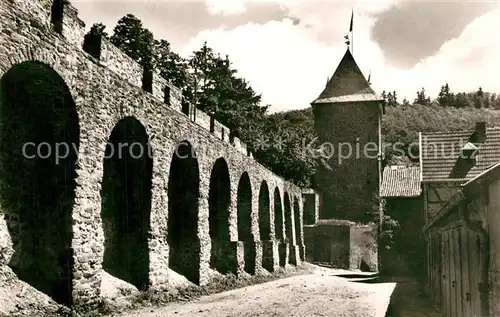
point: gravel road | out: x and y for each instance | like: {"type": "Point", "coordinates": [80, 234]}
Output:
{"type": "Point", "coordinates": [317, 294]}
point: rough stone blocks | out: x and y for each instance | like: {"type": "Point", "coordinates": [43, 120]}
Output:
{"type": "Point", "coordinates": [283, 253]}
{"type": "Point", "coordinates": [225, 256]}
{"type": "Point", "coordinates": [268, 255]}
{"type": "Point", "coordinates": [293, 255]}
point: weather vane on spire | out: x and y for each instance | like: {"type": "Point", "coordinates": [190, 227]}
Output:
{"type": "Point", "coordinates": [351, 41]}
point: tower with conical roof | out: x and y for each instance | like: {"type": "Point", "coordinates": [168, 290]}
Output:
{"type": "Point", "coordinates": [347, 121]}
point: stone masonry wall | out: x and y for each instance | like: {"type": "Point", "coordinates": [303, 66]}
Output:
{"type": "Point", "coordinates": [342, 244]}
{"type": "Point", "coordinates": [354, 162]}
{"type": "Point", "coordinates": [106, 91]}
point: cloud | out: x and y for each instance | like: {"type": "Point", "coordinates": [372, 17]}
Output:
{"type": "Point", "coordinates": [399, 29]}
{"type": "Point", "coordinates": [178, 21]}
{"type": "Point", "coordinates": [225, 7]}
{"type": "Point", "coordinates": [272, 57]}
{"type": "Point", "coordinates": [289, 64]}
{"type": "Point", "coordinates": [466, 62]}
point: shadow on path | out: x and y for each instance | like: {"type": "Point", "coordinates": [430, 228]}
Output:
{"type": "Point", "coordinates": [409, 299]}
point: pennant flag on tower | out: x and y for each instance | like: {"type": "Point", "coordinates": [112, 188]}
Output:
{"type": "Point", "coordinates": [352, 18]}
{"type": "Point", "coordinates": [351, 41]}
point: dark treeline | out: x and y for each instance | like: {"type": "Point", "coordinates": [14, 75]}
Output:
{"type": "Point", "coordinates": [446, 98]}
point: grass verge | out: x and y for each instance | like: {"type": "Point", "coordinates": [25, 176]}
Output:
{"type": "Point", "coordinates": [157, 298]}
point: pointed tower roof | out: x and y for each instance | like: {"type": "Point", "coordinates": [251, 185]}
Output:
{"type": "Point", "coordinates": [347, 84]}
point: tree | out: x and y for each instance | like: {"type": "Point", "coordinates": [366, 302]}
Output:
{"type": "Point", "coordinates": [395, 96]}
{"type": "Point", "coordinates": [422, 99]}
{"type": "Point", "coordinates": [462, 100]}
{"type": "Point", "coordinates": [201, 66]}
{"type": "Point", "coordinates": [172, 67]}
{"type": "Point", "coordinates": [384, 96]}
{"type": "Point", "coordinates": [136, 41]}
{"type": "Point", "coordinates": [392, 99]}
{"type": "Point", "coordinates": [161, 53]}
{"type": "Point", "coordinates": [139, 43]}
{"type": "Point", "coordinates": [445, 97]}
{"type": "Point", "coordinates": [487, 100]}
{"type": "Point", "coordinates": [478, 99]}
{"type": "Point", "coordinates": [176, 71]}
{"type": "Point", "coordinates": [495, 101]}
{"type": "Point", "coordinates": [406, 102]}
{"type": "Point", "coordinates": [480, 92]}
{"type": "Point", "coordinates": [218, 87]}
{"type": "Point", "coordinates": [98, 29]}
{"type": "Point", "coordinates": [220, 93]}
{"type": "Point", "coordinates": [284, 153]}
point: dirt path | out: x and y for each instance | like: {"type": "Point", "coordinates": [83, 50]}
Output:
{"type": "Point", "coordinates": [306, 295]}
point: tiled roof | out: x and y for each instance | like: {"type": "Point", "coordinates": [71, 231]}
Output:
{"type": "Point", "coordinates": [347, 84]}
{"type": "Point", "coordinates": [482, 175]}
{"type": "Point", "coordinates": [440, 155]}
{"type": "Point", "coordinates": [400, 181]}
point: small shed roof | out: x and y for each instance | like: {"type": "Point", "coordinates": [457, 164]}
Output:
{"type": "Point", "coordinates": [400, 181]}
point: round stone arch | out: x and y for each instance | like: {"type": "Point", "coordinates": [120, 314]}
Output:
{"type": "Point", "coordinates": [278, 207]}
{"type": "Point", "coordinates": [39, 189]}
{"type": "Point", "coordinates": [219, 200]}
{"type": "Point", "coordinates": [278, 214]}
{"type": "Point", "coordinates": [264, 211]}
{"type": "Point", "coordinates": [183, 211]}
{"type": "Point", "coordinates": [244, 206]}
{"type": "Point", "coordinates": [219, 206]}
{"type": "Point", "coordinates": [134, 103]}
{"type": "Point", "coordinates": [167, 150]}
{"type": "Point", "coordinates": [287, 206]}
{"type": "Point", "coordinates": [205, 161]}
{"type": "Point", "coordinates": [126, 201]}
{"type": "Point", "coordinates": [297, 203]}
{"type": "Point", "coordinates": [49, 56]}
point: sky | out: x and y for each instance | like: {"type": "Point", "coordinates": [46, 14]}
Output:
{"type": "Point", "coordinates": [287, 49]}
